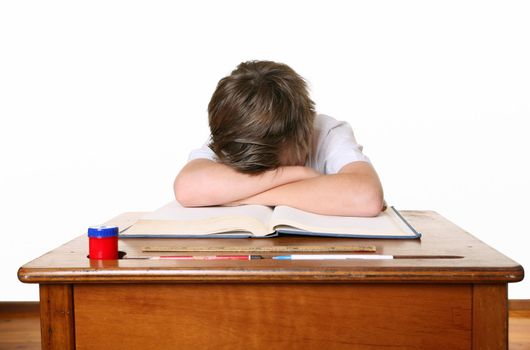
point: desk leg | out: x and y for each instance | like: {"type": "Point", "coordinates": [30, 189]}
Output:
{"type": "Point", "coordinates": [57, 317]}
{"type": "Point", "coordinates": [490, 316]}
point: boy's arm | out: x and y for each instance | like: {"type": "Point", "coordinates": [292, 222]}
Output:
{"type": "Point", "coordinates": [354, 191]}
{"type": "Point", "coordinates": [203, 182]}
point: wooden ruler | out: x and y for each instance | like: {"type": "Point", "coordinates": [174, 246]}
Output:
{"type": "Point", "coordinates": [274, 248]}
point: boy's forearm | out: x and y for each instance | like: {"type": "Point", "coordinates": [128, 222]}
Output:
{"type": "Point", "coordinates": [204, 183]}
{"type": "Point", "coordinates": [346, 194]}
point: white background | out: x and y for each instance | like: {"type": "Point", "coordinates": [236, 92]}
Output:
{"type": "Point", "coordinates": [101, 102]}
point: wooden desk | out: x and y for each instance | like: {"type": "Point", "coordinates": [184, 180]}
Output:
{"type": "Point", "coordinates": [458, 303]}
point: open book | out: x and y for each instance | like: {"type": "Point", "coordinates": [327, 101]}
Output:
{"type": "Point", "coordinates": [173, 220]}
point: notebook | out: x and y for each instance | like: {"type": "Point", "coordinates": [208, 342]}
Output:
{"type": "Point", "coordinates": [253, 221]}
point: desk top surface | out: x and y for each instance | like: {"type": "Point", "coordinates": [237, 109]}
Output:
{"type": "Point", "coordinates": [473, 261]}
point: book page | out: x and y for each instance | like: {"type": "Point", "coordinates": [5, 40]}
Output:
{"type": "Point", "coordinates": [386, 224]}
{"type": "Point", "coordinates": [174, 220]}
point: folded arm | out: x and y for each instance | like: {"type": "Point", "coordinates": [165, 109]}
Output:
{"type": "Point", "coordinates": [354, 191]}
{"type": "Point", "coordinates": [203, 182]}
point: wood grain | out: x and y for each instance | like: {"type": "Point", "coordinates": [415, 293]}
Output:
{"type": "Point", "coordinates": [519, 305]}
{"type": "Point", "coordinates": [280, 316]}
{"type": "Point", "coordinates": [490, 316]}
{"type": "Point", "coordinates": [519, 324]}
{"type": "Point", "coordinates": [57, 318]}
{"type": "Point", "coordinates": [20, 327]}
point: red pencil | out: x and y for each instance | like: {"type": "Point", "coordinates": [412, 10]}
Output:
{"type": "Point", "coordinates": [202, 257]}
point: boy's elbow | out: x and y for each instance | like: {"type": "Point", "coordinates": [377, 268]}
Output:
{"type": "Point", "coordinates": [185, 193]}
{"type": "Point", "coordinates": [374, 203]}
{"type": "Point", "coordinates": [370, 203]}
{"type": "Point", "coordinates": [372, 208]}
{"type": "Point", "coordinates": [193, 190]}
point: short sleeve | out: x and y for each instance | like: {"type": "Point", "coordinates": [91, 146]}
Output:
{"type": "Point", "coordinates": [341, 148]}
{"type": "Point", "coordinates": [204, 152]}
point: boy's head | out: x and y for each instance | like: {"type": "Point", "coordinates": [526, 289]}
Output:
{"type": "Point", "coordinates": [261, 117]}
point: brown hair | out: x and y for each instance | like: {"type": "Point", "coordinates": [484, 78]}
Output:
{"type": "Point", "coordinates": [258, 113]}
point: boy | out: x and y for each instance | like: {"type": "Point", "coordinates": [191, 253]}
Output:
{"type": "Point", "coordinates": [268, 146]}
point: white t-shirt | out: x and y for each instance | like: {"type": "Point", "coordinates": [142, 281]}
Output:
{"type": "Point", "coordinates": [334, 146]}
